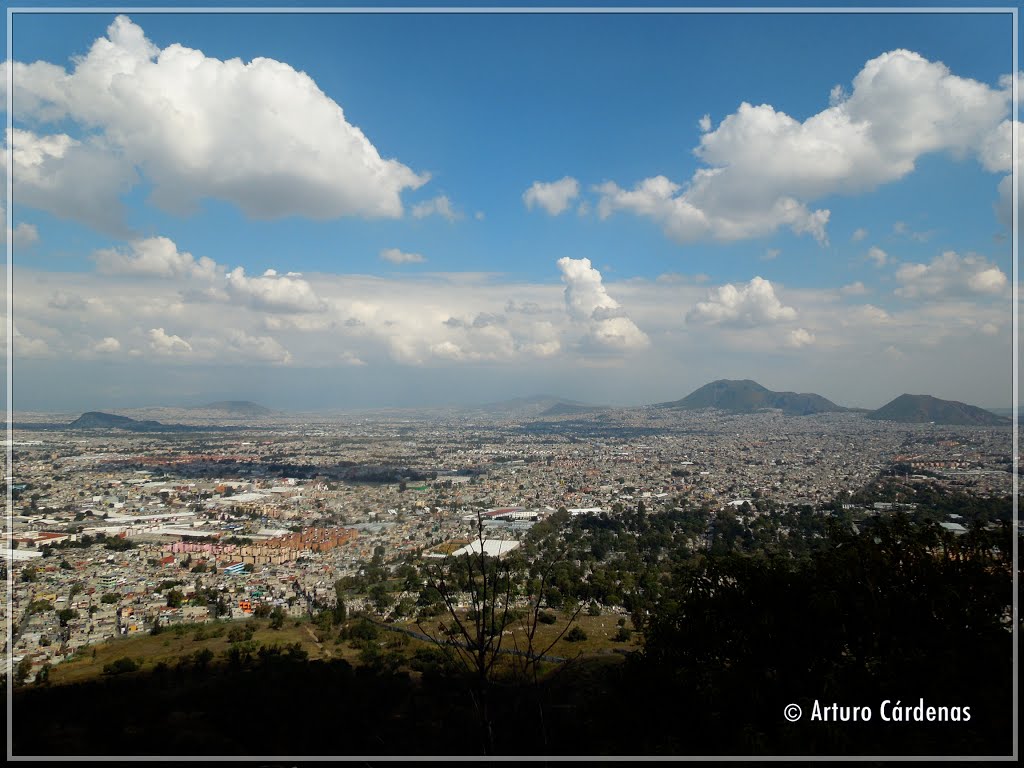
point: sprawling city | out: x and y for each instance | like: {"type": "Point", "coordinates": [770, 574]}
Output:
{"type": "Point", "coordinates": [187, 535]}
{"type": "Point", "coordinates": [287, 289]}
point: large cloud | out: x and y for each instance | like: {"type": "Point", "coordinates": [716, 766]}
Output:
{"type": "Point", "coordinates": [763, 167]}
{"type": "Point", "coordinates": [154, 257]}
{"type": "Point", "coordinates": [259, 134]}
{"type": "Point", "coordinates": [951, 275]}
{"type": "Point", "coordinates": [273, 292]}
{"type": "Point", "coordinates": [72, 179]}
{"type": "Point", "coordinates": [554, 197]}
{"type": "Point", "coordinates": [748, 306]}
{"type": "Point", "coordinates": [588, 302]}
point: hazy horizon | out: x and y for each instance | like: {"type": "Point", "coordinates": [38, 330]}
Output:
{"type": "Point", "coordinates": [273, 402]}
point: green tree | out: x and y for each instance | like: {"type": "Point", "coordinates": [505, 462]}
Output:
{"type": "Point", "coordinates": [324, 621]}
{"type": "Point", "coordinates": [277, 617]}
{"type": "Point", "coordinates": [22, 671]}
{"type": "Point", "coordinates": [202, 658]}
{"type": "Point", "coordinates": [473, 639]}
{"type": "Point", "coordinates": [43, 675]}
{"type": "Point", "coordinates": [381, 598]}
{"type": "Point", "coordinates": [39, 606]}
{"type": "Point", "coordinates": [340, 612]}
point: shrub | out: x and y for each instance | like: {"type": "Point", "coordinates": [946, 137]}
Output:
{"type": "Point", "coordinates": [120, 666]}
{"type": "Point", "coordinates": [575, 635]}
{"type": "Point", "coordinates": [241, 634]}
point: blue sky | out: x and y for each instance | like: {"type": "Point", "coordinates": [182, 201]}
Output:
{"type": "Point", "coordinates": [845, 232]}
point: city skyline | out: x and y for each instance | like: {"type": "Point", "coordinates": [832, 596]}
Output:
{"type": "Point", "coordinates": [336, 211]}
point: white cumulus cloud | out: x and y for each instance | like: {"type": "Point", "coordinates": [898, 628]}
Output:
{"type": "Point", "coordinates": [107, 346]}
{"type": "Point", "coordinates": [951, 275]}
{"type": "Point", "coordinates": [273, 292]}
{"type": "Point", "coordinates": [77, 180]}
{"type": "Point", "coordinates": [799, 337]}
{"type": "Point", "coordinates": [154, 257]}
{"type": "Point", "coordinates": [197, 126]}
{"type": "Point", "coordinates": [167, 344]}
{"type": "Point", "coordinates": [764, 168]}
{"type": "Point", "coordinates": [554, 197]}
{"type": "Point", "coordinates": [746, 306]}
{"type": "Point", "coordinates": [588, 302]}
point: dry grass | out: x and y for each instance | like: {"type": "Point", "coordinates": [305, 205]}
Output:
{"type": "Point", "coordinates": [173, 644]}
{"type": "Point", "coordinates": [599, 630]}
{"type": "Point", "coordinates": [448, 547]}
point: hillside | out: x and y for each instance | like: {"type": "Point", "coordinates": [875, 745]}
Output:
{"type": "Point", "coordinates": [746, 396]}
{"type": "Point", "coordinates": [924, 409]}
{"type": "Point", "coordinates": [101, 420]}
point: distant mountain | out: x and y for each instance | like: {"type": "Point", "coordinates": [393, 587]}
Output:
{"type": "Point", "coordinates": [240, 408]}
{"type": "Point", "coordinates": [923, 409]}
{"type": "Point", "coordinates": [522, 407]}
{"type": "Point", "coordinates": [572, 409]}
{"type": "Point", "coordinates": [746, 396]}
{"type": "Point", "coordinates": [100, 420]}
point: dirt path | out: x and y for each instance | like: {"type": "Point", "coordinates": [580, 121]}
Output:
{"type": "Point", "coordinates": [319, 646]}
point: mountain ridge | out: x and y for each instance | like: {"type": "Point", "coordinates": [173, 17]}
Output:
{"type": "Point", "coordinates": [927, 409]}
{"type": "Point", "coordinates": [103, 420]}
{"type": "Point", "coordinates": [747, 396]}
